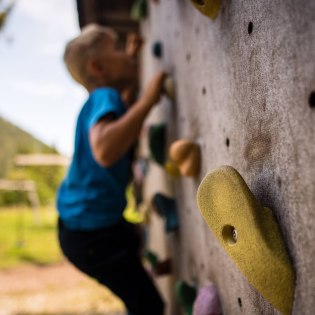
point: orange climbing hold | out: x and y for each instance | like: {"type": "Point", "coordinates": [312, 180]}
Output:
{"type": "Point", "coordinates": [186, 155]}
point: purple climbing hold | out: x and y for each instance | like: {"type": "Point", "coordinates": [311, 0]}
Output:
{"type": "Point", "coordinates": [207, 301]}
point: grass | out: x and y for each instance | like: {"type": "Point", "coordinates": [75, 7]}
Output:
{"type": "Point", "coordinates": [41, 291]}
{"type": "Point", "coordinates": [26, 237]}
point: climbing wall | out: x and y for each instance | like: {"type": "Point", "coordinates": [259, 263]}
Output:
{"type": "Point", "coordinates": [245, 87]}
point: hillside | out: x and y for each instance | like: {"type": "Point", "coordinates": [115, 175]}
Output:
{"type": "Point", "coordinates": [14, 140]}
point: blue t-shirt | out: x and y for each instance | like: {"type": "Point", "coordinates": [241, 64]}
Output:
{"type": "Point", "coordinates": [92, 196]}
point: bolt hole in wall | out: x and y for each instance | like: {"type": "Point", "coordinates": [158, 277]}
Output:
{"type": "Point", "coordinates": [250, 27]}
{"type": "Point", "coordinates": [239, 301]}
{"type": "Point", "coordinates": [227, 142]}
{"type": "Point", "coordinates": [311, 100]}
{"type": "Point", "coordinates": [204, 91]}
{"type": "Point", "coordinates": [229, 234]}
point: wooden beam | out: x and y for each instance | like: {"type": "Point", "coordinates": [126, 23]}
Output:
{"type": "Point", "coordinates": [41, 159]}
{"type": "Point", "coordinates": [17, 185]}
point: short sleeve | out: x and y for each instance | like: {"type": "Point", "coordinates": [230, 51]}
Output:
{"type": "Point", "coordinates": [104, 101]}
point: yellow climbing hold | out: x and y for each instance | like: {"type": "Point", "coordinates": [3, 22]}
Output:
{"type": "Point", "coordinates": [249, 234]}
{"type": "Point", "coordinates": [169, 88]}
{"type": "Point", "coordinates": [171, 169]}
{"type": "Point", "coordinates": [209, 8]}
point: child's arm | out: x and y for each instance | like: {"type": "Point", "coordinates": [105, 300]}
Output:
{"type": "Point", "coordinates": [110, 139]}
{"type": "Point", "coordinates": [133, 47]}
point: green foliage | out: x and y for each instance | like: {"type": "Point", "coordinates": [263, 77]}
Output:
{"type": "Point", "coordinates": [4, 13]}
{"type": "Point", "coordinates": [23, 240]}
{"type": "Point", "coordinates": [15, 141]}
{"type": "Point", "coordinates": [8, 198]}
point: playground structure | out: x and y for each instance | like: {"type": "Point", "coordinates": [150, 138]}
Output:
{"type": "Point", "coordinates": [244, 75]}
{"type": "Point", "coordinates": [29, 186]}
{"type": "Point", "coordinates": [22, 185]}
{"type": "Point", "coordinates": [41, 159]}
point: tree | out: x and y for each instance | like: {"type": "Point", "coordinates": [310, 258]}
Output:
{"type": "Point", "coordinates": [4, 12]}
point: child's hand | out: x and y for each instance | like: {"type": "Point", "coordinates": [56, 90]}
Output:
{"type": "Point", "coordinates": [134, 44]}
{"type": "Point", "coordinates": [152, 93]}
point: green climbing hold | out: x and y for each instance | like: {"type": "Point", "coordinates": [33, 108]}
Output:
{"type": "Point", "coordinates": [166, 208]}
{"type": "Point", "coordinates": [151, 257]}
{"type": "Point", "coordinates": [186, 296]}
{"type": "Point", "coordinates": [139, 10]}
{"type": "Point", "coordinates": [157, 142]}
{"type": "Point", "coordinates": [157, 49]}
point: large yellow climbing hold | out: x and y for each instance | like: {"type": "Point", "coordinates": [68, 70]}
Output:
{"type": "Point", "coordinates": [249, 234]}
{"type": "Point", "coordinates": [209, 8]}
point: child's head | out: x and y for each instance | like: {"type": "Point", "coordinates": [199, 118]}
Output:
{"type": "Point", "coordinates": [94, 60]}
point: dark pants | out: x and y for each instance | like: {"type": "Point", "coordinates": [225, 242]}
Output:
{"type": "Point", "coordinates": [111, 256]}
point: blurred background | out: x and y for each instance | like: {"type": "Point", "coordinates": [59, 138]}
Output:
{"type": "Point", "coordinates": [38, 109]}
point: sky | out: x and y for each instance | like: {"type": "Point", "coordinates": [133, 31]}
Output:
{"type": "Point", "coordinates": [36, 92]}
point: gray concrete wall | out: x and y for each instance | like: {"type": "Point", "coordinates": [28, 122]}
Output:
{"type": "Point", "coordinates": [252, 89]}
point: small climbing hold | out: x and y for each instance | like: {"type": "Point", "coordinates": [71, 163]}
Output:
{"type": "Point", "coordinates": [157, 49]}
{"type": "Point", "coordinates": [209, 8]}
{"type": "Point", "coordinates": [140, 169]}
{"type": "Point", "coordinates": [143, 164]}
{"type": "Point", "coordinates": [163, 268]}
{"type": "Point", "coordinates": [186, 155]}
{"type": "Point", "coordinates": [171, 169]}
{"type": "Point", "coordinates": [151, 257]}
{"type": "Point", "coordinates": [157, 142]}
{"type": "Point", "coordinates": [158, 267]}
{"type": "Point", "coordinates": [186, 296]}
{"type": "Point", "coordinates": [132, 211]}
{"type": "Point", "coordinates": [166, 208]}
{"type": "Point", "coordinates": [207, 301]}
{"type": "Point", "coordinates": [169, 88]}
{"type": "Point", "coordinates": [143, 209]}
{"type": "Point", "coordinates": [139, 10]}
{"type": "Point", "coordinates": [250, 235]}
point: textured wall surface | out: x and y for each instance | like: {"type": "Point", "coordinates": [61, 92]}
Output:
{"type": "Point", "coordinates": [245, 98]}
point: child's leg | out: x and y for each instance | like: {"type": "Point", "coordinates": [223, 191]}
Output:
{"type": "Point", "coordinates": [111, 256]}
{"type": "Point", "coordinates": [131, 283]}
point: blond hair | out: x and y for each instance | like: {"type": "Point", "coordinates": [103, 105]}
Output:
{"type": "Point", "coordinates": [80, 49]}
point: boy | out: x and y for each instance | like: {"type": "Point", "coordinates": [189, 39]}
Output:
{"type": "Point", "coordinates": [92, 232]}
